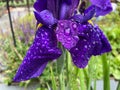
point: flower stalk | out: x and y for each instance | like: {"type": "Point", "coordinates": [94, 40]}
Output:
{"type": "Point", "coordinates": [82, 81]}
{"type": "Point", "coordinates": [106, 73]}
{"type": "Point", "coordinates": [54, 87]}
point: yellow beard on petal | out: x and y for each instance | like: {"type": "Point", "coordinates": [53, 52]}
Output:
{"type": "Point", "coordinates": [39, 25]}
{"type": "Point", "coordinates": [90, 21]}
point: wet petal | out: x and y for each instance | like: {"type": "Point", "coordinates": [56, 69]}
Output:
{"type": "Point", "coordinates": [66, 33]}
{"type": "Point", "coordinates": [103, 7]}
{"type": "Point", "coordinates": [60, 8]}
{"type": "Point", "coordinates": [43, 49]}
{"type": "Point", "coordinates": [105, 45]}
{"type": "Point", "coordinates": [91, 42]}
{"type": "Point", "coordinates": [45, 17]}
{"type": "Point", "coordinates": [88, 14]}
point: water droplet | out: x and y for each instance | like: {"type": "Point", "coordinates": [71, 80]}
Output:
{"type": "Point", "coordinates": [94, 42]}
{"type": "Point", "coordinates": [61, 24]}
{"type": "Point", "coordinates": [34, 53]}
{"type": "Point", "coordinates": [29, 58]}
{"type": "Point", "coordinates": [76, 49]}
{"type": "Point", "coordinates": [84, 40]}
{"type": "Point", "coordinates": [46, 33]}
{"type": "Point", "coordinates": [85, 46]}
{"type": "Point", "coordinates": [74, 26]}
{"type": "Point", "coordinates": [89, 46]}
{"type": "Point", "coordinates": [37, 48]}
{"type": "Point", "coordinates": [67, 31]}
{"type": "Point", "coordinates": [69, 39]}
{"type": "Point", "coordinates": [38, 43]}
{"type": "Point", "coordinates": [74, 61]}
{"type": "Point", "coordinates": [24, 62]}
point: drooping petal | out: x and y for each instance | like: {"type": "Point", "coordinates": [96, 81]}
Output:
{"type": "Point", "coordinates": [91, 42]}
{"type": "Point", "coordinates": [45, 17]}
{"type": "Point", "coordinates": [105, 47]}
{"type": "Point", "coordinates": [43, 49]}
{"type": "Point", "coordinates": [103, 7]}
{"type": "Point", "coordinates": [66, 33]}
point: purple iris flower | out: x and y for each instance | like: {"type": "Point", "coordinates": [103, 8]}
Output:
{"type": "Point", "coordinates": [61, 23]}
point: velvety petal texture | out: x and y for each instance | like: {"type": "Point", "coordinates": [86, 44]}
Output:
{"type": "Point", "coordinates": [40, 5]}
{"type": "Point", "coordinates": [67, 33]}
{"type": "Point", "coordinates": [103, 7]}
{"type": "Point", "coordinates": [43, 49]}
{"type": "Point", "coordinates": [106, 47]}
{"type": "Point", "coordinates": [88, 14]}
{"type": "Point", "coordinates": [60, 9]}
{"type": "Point", "coordinates": [45, 17]}
{"type": "Point", "coordinates": [92, 41]}
{"type": "Point", "coordinates": [67, 8]}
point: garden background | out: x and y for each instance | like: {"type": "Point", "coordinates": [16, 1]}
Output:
{"type": "Point", "coordinates": [16, 37]}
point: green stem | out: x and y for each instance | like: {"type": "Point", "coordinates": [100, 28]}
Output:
{"type": "Point", "coordinates": [54, 87]}
{"type": "Point", "coordinates": [118, 87]}
{"type": "Point", "coordinates": [61, 81]}
{"type": "Point", "coordinates": [67, 66]}
{"type": "Point", "coordinates": [94, 84]}
{"type": "Point", "coordinates": [106, 73]}
{"type": "Point", "coordinates": [82, 81]}
{"type": "Point", "coordinates": [76, 72]}
{"type": "Point", "coordinates": [89, 84]}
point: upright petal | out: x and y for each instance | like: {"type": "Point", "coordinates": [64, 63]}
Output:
{"type": "Point", "coordinates": [88, 14]}
{"type": "Point", "coordinates": [91, 42]}
{"type": "Point", "coordinates": [54, 7]}
{"type": "Point", "coordinates": [40, 5]}
{"type": "Point", "coordinates": [103, 7]}
{"type": "Point", "coordinates": [60, 8]}
{"type": "Point", "coordinates": [67, 8]}
{"type": "Point", "coordinates": [43, 49]}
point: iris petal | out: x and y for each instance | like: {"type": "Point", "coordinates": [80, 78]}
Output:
{"type": "Point", "coordinates": [43, 49]}
{"type": "Point", "coordinates": [67, 33]}
{"type": "Point", "coordinates": [40, 5]}
{"type": "Point", "coordinates": [105, 45]}
{"type": "Point", "coordinates": [45, 17]}
{"type": "Point", "coordinates": [88, 14]}
{"type": "Point", "coordinates": [91, 42]}
{"type": "Point", "coordinates": [103, 7]}
{"type": "Point", "coordinates": [60, 8]}
{"type": "Point", "coordinates": [67, 8]}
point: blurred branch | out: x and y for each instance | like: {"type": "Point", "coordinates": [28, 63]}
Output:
{"type": "Point", "coordinates": [18, 54]}
{"type": "Point", "coordinates": [13, 36]}
{"type": "Point", "coordinates": [28, 6]}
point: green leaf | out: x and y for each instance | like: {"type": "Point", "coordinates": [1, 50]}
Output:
{"type": "Point", "coordinates": [60, 61]}
{"type": "Point", "coordinates": [118, 87]}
